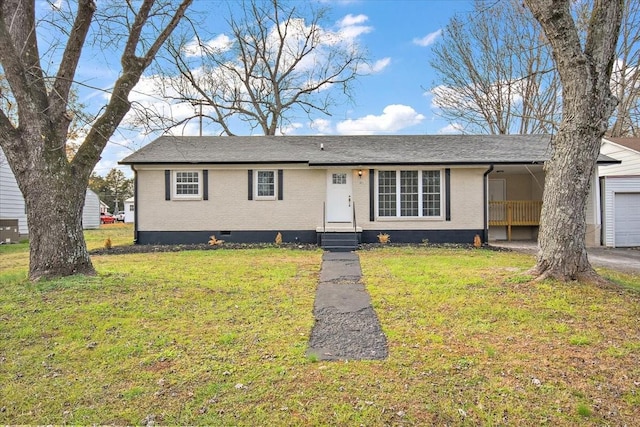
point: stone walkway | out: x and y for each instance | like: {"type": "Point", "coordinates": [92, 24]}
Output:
{"type": "Point", "coordinates": [346, 326]}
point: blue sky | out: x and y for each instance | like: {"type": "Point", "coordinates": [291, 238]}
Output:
{"type": "Point", "coordinates": [394, 99]}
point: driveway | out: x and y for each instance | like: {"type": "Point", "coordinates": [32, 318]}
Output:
{"type": "Point", "coordinates": [622, 259]}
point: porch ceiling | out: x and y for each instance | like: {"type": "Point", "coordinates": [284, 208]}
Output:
{"type": "Point", "coordinates": [499, 170]}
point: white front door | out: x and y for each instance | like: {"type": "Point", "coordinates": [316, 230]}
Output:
{"type": "Point", "coordinates": [339, 197]}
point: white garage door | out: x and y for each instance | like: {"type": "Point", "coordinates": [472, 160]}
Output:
{"type": "Point", "coordinates": [627, 219]}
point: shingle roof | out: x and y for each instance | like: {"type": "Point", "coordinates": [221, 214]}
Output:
{"type": "Point", "coordinates": [347, 150]}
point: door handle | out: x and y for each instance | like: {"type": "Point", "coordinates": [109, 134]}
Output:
{"type": "Point", "coordinates": [349, 200]}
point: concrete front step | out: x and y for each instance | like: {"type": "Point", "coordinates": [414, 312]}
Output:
{"type": "Point", "coordinates": [339, 242]}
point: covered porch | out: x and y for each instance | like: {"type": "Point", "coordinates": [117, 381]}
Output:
{"type": "Point", "coordinates": [515, 202]}
{"type": "Point", "coordinates": [514, 213]}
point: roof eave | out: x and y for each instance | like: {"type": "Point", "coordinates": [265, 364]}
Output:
{"type": "Point", "coordinates": [416, 163]}
{"type": "Point", "coordinates": [244, 162]}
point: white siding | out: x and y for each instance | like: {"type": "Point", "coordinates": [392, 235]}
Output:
{"type": "Point", "coordinates": [611, 186]}
{"type": "Point", "coordinates": [12, 204]}
{"type": "Point", "coordinates": [129, 210]}
{"type": "Point", "coordinates": [11, 200]}
{"type": "Point", "coordinates": [618, 179]}
{"type": "Point", "coordinates": [91, 211]}
{"type": "Point", "coordinates": [630, 160]}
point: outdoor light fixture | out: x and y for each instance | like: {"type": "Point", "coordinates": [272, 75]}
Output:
{"type": "Point", "coordinates": [360, 173]}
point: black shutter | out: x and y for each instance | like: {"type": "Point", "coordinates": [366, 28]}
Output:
{"type": "Point", "coordinates": [205, 184]}
{"type": "Point", "coordinates": [167, 184]}
{"type": "Point", "coordinates": [280, 184]}
{"type": "Point", "coordinates": [250, 186]}
{"type": "Point", "coordinates": [372, 195]}
{"type": "Point", "coordinates": [447, 194]}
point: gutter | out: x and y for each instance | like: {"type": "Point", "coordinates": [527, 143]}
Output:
{"type": "Point", "coordinates": [135, 204]}
{"type": "Point", "coordinates": [485, 181]}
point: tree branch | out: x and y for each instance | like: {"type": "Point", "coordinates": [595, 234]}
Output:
{"type": "Point", "coordinates": [89, 152]}
{"type": "Point", "coordinates": [59, 98]}
{"type": "Point", "coordinates": [21, 60]}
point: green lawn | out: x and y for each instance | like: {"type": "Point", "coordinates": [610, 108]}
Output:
{"type": "Point", "coordinates": [219, 338]}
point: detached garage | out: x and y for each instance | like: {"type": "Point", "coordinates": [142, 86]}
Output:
{"type": "Point", "coordinates": [621, 211]}
{"type": "Point", "coordinates": [626, 219]}
{"type": "Point", "coordinates": [620, 193]}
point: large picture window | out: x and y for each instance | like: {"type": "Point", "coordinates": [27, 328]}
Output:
{"type": "Point", "coordinates": [187, 185]}
{"type": "Point", "coordinates": [387, 193]}
{"type": "Point", "coordinates": [410, 193]}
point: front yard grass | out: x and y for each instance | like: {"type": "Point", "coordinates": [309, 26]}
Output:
{"type": "Point", "coordinates": [219, 337]}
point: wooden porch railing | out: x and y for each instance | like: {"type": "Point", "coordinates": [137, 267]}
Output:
{"type": "Point", "coordinates": [514, 212]}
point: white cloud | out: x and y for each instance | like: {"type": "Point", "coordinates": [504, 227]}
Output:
{"type": "Point", "coordinates": [220, 43]}
{"type": "Point", "coordinates": [427, 40]}
{"type": "Point", "coordinates": [349, 28]}
{"type": "Point", "coordinates": [156, 94]}
{"type": "Point", "coordinates": [290, 128]}
{"type": "Point", "coordinates": [105, 165]}
{"type": "Point", "coordinates": [323, 126]}
{"type": "Point", "coordinates": [376, 67]}
{"type": "Point", "coordinates": [350, 20]}
{"type": "Point", "coordinates": [453, 128]}
{"type": "Point", "coordinates": [474, 98]}
{"type": "Point", "coordinates": [393, 118]}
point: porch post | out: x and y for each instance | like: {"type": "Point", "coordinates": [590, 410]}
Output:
{"type": "Point", "coordinates": [485, 192]}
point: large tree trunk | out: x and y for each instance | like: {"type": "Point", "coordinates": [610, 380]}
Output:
{"type": "Point", "coordinates": [35, 138]}
{"type": "Point", "coordinates": [54, 214]}
{"type": "Point", "coordinates": [585, 73]}
{"type": "Point", "coordinates": [54, 194]}
{"type": "Point", "coordinates": [562, 251]}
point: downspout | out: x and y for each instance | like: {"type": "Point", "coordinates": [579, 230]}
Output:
{"type": "Point", "coordinates": [135, 205]}
{"type": "Point", "coordinates": [485, 181]}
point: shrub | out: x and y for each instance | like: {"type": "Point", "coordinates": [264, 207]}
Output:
{"type": "Point", "coordinates": [384, 238]}
{"type": "Point", "coordinates": [214, 242]}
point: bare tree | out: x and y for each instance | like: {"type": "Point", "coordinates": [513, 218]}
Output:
{"type": "Point", "coordinates": [626, 74]}
{"type": "Point", "coordinates": [495, 73]}
{"type": "Point", "coordinates": [36, 143]}
{"type": "Point", "coordinates": [277, 62]}
{"type": "Point", "coordinates": [585, 71]}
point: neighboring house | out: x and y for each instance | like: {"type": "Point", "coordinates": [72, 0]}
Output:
{"type": "Point", "coordinates": [12, 205]}
{"type": "Point", "coordinates": [620, 186]}
{"type": "Point", "coordinates": [337, 190]}
{"type": "Point", "coordinates": [104, 208]}
{"type": "Point", "coordinates": [91, 211]}
{"type": "Point", "coordinates": [129, 210]}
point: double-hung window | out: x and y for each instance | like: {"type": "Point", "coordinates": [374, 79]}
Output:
{"type": "Point", "coordinates": [409, 193]}
{"type": "Point", "coordinates": [266, 185]}
{"type": "Point", "coordinates": [187, 185]}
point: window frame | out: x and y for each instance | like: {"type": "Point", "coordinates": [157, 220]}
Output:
{"type": "Point", "coordinates": [256, 184]}
{"type": "Point", "coordinates": [400, 202]}
{"type": "Point", "coordinates": [174, 185]}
